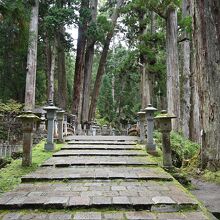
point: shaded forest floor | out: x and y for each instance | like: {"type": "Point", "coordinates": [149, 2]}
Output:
{"type": "Point", "coordinates": [209, 194]}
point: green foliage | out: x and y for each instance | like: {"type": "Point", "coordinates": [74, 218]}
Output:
{"type": "Point", "coordinates": [184, 147]}
{"type": "Point", "coordinates": [211, 176]}
{"type": "Point", "coordinates": [11, 106]}
{"type": "Point", "coordinates": [98, 30]}
{"type": "Point", "coordinates": [10, 176]}
{"type": "Point", "coordinates": [122, 71]}
{"type": "Point", "coordinates": [13, 40]}
{"type": "Point", "coordinates": [186, 24]}
{"type": "Point", "coordinates": [100, 120]}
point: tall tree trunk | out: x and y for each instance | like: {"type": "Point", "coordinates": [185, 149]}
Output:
{"type": "Point", "coordinates": [186, 97]}
{"type": "Point", "coordinates": [61, 70]}
{"type": "Point", "coordinates": [32, 59]}
{"type": "Point", "coordinates": [195, 125]}
{"type": "Point", "coordinates": [81, 44]}
{"type": "Point", "coordinates": [145, 79]}
{"type": "Point", "coordinates": [173, 90]}
{"type": "Point", "coordinates": [206, 40]}
{"type": "Point", "coordinates": [51, 76]}
{"type": "Point", "coordinates": [102, 62]}
{"type": "Point", "coordinates": [48, 64]}
{"type": "Point", "coordinates": [88, 66]}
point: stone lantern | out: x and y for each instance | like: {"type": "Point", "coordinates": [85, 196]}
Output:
{"type": "Point", "coordinates": [104, 130]}
{"type": "Point", "coordinates": [141, 116]}
{"type": "Point", "coordinates": [51, 112]}
{"type": "Point", "coordinates": [150, 145]}
{"type": "Point", "coordinates": [60, 119]}
{"type": "Point", "coordinates": [165, 127]}
{"type": "Point", "coordinates": [65, 124]}
{"type": "Point", "coordinates": [93, 127]}
{"type": "Point", "coordinates": [42, 126]}
{"type": "Point", "coordinates": [28, 124]}
{"type": "Point", "coordinates": [113, 131]}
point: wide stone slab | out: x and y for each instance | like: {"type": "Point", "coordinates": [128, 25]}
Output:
{"type": "Point", "coordinates": [100, 147]}
{"type": "Point", "coordinates": [98, 160]}
{"type": "Point", "coordinates": [101, 138]}
{"type": "Point", "coordinates": [98, 194]}
{"type": "Point", "coordinates": [103, 142]}
{"type": "Point", "coordinates": [85, 152]}
{"type": "Point", "coordinates": [105, 215]}
{"type": "Point", "coordinates": [76, 173]}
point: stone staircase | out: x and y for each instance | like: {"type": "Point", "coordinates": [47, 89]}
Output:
{"type": "Point", "coordinates": [100, 178]}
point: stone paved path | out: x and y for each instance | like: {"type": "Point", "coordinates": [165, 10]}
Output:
{"type": "Point", "coordinates": [100, 179]}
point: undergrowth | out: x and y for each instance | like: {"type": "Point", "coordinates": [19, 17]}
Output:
{"type": "Point", "coordinates": [189, 157]}
{"type": "Point", "coordinates": [10, 176]}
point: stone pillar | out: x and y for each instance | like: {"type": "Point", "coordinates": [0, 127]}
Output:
{"type": "Point", "coordinates": [60, 119]}
{"type": "Point", "coordinates": [165, 126]}
{"type": "Point", "coordinates": [65, 125]}
{"type": "Point", "coordinates": [55, 127]}
{"type": "Point", "coordinates": [28, 123]}
{"type": "Point", "coordinates": [150, 145]}
{"type": "Point", "coordinates": [141, 115]}
{"type": "Point", "coordinates": [104, 130]}
{"type": "Point", "coordinates": [51, 112]}
{"type": "Point", "coordinates": [93, 130]}
{"type": "Point", "coordinates": [113, 131]}
{"type": "Point", "coordinates": [42, 126]}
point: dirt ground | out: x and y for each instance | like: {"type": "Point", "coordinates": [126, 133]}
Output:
{"type": "Point", "coordinates": [209, 194]}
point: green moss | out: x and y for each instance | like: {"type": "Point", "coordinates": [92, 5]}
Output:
{"type": "Point", "coordinates": [10, 176]}
{"type": "Point", "coordinates": [211, 176]}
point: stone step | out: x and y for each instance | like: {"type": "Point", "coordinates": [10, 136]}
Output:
{"type": "Point", "coordinates": [67, 153]}
{"type": "Point", "coordinates": [105, 215]}
{"type": "Point", "coordinates": [77, 173]}
{"type": "Point", "coordinates": [98, 161]}
{"type": "Point", "coordinates": [100, 147]}
{"type": "Point", "coordinates": [148, 195]}
{"type": "Point", "coordinates": [103, 142]}
{"type": "Point", "coordinates": [101, 138]}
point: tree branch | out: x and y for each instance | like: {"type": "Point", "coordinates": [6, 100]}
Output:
{"type": "Point", "coordinates": [184, 39]}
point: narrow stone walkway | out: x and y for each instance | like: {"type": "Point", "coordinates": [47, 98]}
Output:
{"type": "Point", "coordinates": [100, 178]}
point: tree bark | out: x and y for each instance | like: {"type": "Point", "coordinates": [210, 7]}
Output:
{"type": "Point", "coordinates": [173, 90]}
{"type": "Point", "coordinates": [61, 70]}
{"type": "Point", "coordinates": [51, 76]}
{"type": "Point", "coordinates": [48, 64]}
{"type": "Point", "coordinates": [206, 47]}
{"type": "Point", "coordinates": [88, 67]}
{"type": "Point", "coordinates": [186, 96]}
{"type": "Point", "coordinates": [32, 59]}
{"type": "Point", "coordinates": [145, 79]}
{"type": "Point", "coordinates": [81, 44]}
{"type": "Point", "coordinates": [102, 62]}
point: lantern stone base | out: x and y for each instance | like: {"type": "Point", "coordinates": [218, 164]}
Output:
{"type": "Point", "coordinates": [49, 146]}
{"type": "Point", "coordinates": [151, 149]}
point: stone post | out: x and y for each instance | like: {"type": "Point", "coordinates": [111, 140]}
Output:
{"type": "Point", "coordinates": [51, 112]}
{"type": "Point", "coordinates": [141, 115]}
{"type": "Point", "coordinates": [165, 127]}
{"type": "Point", "coordinates": [55, 127]}
{"type": "Point", "coordinates": [42, 126]}
{"type": "Point", "coordinates": [93, 130]}
{"type": "Point", "coordinates": [65, 124]}
{"type": "Point", "coordinates": [28, 123]}
{"type": "Point", "coordinates": [104, 130]}
{"type": "Point", "coordinates": [113, 131]}
{"type": "Point", "coordinates": [150, 145]}
{"type": "Point", "coordinates": [60, 119]}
